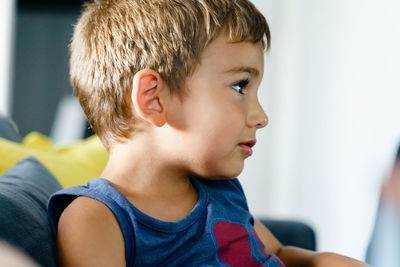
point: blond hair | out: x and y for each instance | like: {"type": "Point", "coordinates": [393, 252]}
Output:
{"type": "Point", "coordinates": [114, 39]}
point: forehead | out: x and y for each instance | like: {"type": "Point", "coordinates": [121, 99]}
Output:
{"type": "Point", "coordinates": [224, 56]}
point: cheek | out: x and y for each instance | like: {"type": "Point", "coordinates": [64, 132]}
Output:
{"type": "Point", "coordinates": [220, 111]}
{"type": "Point", "coordinates": [214, 124]}
{"type": "Point", "coordinates": [219, 133]}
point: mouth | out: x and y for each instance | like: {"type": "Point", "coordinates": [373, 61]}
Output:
{"type": "Point", "coordinates": [246, 147]}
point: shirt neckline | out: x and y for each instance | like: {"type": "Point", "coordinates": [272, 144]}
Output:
{"type": "Point", "coordinates": [159, 225]}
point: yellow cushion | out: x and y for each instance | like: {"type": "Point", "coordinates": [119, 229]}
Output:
{"type": "Point", "coordinates": [73, 164]}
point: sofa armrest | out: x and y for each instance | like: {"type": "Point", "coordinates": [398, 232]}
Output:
{"type": "Point", "coordinates": [9, 130]}
{"type": "Point", "coordinates": [292, 233]}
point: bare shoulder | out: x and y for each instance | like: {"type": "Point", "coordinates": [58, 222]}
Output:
{"type": "Point", "coordinates": [89, 235]}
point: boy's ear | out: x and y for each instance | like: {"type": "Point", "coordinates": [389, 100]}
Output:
{"type": "Point", "coordinates": [148, 89]}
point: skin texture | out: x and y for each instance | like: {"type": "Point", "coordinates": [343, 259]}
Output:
{"type": "Point", "coordinates": [89, 235]}
{"type": "Point", "coordinates": [201, 132]}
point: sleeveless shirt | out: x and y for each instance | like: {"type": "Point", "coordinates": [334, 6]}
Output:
{"type": "Point", "coordinates": [219, 231]}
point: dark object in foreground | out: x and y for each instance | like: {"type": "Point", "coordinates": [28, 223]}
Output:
{"type": "Point", "coordinates": [292, 233]}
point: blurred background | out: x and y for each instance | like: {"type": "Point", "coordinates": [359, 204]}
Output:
{"type": "Point", "coordinates": [331, 89]}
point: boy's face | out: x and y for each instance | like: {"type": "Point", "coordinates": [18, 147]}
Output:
{"type": "Point", "coordinates": [218, 117]}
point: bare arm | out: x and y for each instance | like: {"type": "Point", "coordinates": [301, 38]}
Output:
{"type": "Point", "coordinates": [294, 256]}
{"type": "Point", "coordinates": [89, 235]}
{"type": "Point", "coordinates": [291, 256]}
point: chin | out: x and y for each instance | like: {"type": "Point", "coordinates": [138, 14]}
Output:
{"type": "Point", "coordinates": [224, 171]}
{"type": "Point", "coordinates": [235, 171]}
{"type": "Point", "coordinates": [226, 175]}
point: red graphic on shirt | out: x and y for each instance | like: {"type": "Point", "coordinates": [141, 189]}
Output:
{"type": "Point", "coordinates": [233, 243]}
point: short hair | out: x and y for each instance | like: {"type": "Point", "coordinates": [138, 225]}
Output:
{"type": "Point", "coordinates": [114, 39]}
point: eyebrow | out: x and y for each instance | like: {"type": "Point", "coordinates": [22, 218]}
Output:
{"type": "Point", "coordinates": [250, 70]}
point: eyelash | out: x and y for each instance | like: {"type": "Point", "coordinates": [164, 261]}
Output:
{"type": "Point", "coordinates": [240, 86]}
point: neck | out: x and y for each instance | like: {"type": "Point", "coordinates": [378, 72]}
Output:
{"type": "Point", "coordinates": [140, 169]}
{"type": "Point", "coordinates": [149, 180]}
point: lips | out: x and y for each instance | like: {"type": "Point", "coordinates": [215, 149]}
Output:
{"type": "Point", "coordinates": [250, 143]}
{"type": "Point", "coordinates": [246, 147]}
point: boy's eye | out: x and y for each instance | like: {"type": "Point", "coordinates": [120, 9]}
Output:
{"type": "Point", "coordinates": [240, 86]}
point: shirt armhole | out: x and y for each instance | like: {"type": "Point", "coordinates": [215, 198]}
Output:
{"type": "Point", "coordinates": [59, 201]}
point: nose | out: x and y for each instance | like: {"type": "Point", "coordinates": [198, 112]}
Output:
{"type": "Point", "coordinates": [257, 117]}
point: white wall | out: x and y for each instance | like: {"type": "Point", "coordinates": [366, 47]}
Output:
{"type": "Point", "coordinates": [332, 91]}
{"type": "Point", "coordinates": [7, 9]}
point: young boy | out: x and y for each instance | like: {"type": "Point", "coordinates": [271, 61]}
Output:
{"type": "Point", "coordinates": [170, 87]}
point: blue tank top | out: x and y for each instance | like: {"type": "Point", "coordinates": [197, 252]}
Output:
{"type": "Point", "coordinates": [219, 231]}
